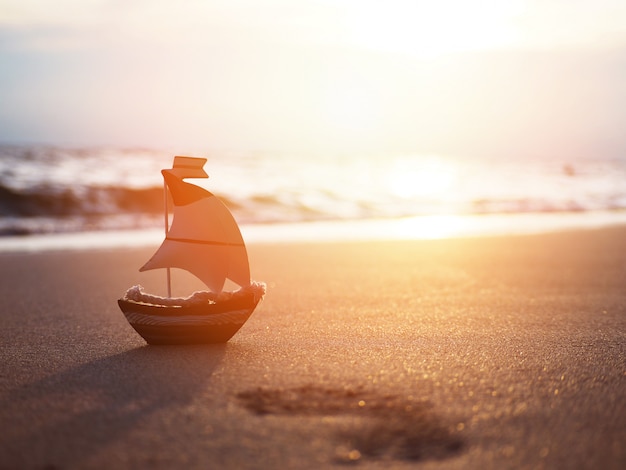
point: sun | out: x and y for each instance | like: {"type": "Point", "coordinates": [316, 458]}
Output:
{"type": "Point", "coordinates": [429, 29]}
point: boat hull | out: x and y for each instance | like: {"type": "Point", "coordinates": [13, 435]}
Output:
{"type": "Point", "coordinates": [196, 324]}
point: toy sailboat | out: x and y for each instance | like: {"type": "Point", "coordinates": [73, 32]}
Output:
{"type": "Point", "coordinates": [203, 239]}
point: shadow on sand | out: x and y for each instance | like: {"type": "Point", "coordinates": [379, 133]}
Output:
{"type": "Point", "coordinates": [81, 410]}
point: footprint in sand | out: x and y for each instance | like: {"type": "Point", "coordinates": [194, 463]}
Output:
{"type": "Point", "coordinates": [385, 425]}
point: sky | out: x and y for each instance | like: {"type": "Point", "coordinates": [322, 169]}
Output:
{"type": "Point", "coordinates": [534, 78]}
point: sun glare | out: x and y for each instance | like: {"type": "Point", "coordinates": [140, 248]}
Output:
{"type": "Point", "coordinates": [411, 177]}
{"type": "Point", "coordinates": [429, 227]}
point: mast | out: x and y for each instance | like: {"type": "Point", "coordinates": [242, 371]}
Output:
{"type": "Point", "coordinates": [167, 224]}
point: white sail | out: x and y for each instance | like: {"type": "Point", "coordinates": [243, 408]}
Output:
{"type": "Point", "coordinates": [204, 238]}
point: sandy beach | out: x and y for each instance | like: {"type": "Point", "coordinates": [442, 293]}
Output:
{"type": "Point", "coordinates": [494, 352]}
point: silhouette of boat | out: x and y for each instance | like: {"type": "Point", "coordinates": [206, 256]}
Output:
{"type": "Point", "coordinates": [205, 240]}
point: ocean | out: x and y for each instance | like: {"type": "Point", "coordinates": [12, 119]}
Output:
{"type": "Point", "coordinates": [62, 190]}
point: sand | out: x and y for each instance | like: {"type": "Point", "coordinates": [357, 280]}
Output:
{"type": "Point", "coordinates": [482, 353]}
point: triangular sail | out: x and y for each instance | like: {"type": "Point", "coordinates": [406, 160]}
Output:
{"type": "Point", "coordinates": [204, 238]}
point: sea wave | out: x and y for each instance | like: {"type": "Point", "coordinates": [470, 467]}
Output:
{"type": "Point", "coordinates": [53, 189]}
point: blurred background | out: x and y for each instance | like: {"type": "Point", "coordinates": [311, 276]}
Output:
{"type": "Point", "coordinates": [311, 110]}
